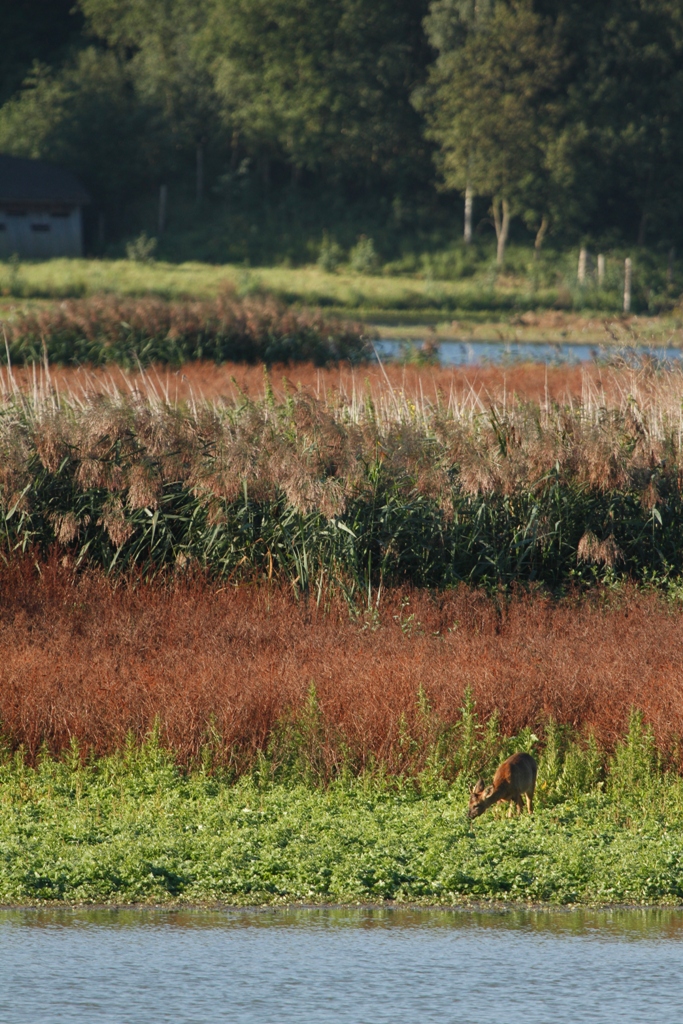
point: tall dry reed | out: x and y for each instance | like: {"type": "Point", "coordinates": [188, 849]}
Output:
{"type": "Point", "coordinates": [109, 329]}
{"type": "Point", "coordinates": [369, 485]}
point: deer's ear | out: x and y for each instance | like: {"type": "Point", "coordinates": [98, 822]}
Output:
{"type": "Point", "coordinates": [479, 787]}
{"type": "Point", "coordinates": [488, 791]}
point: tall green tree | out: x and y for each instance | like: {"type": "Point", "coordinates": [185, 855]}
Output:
{"type": "Point", "coordinates": [325, 85]}
{"type": "Point", "coordinates": [627, 91]}
{"type": "Point", "coordinates": [42, 31]}
{"type": "Point", "coordinates": [575, 111]}
{"type": "Point", "coordinates": [494, 105]}
{"type": "Point", "coordinates": [160, 42]}
{"type": "Point", "coordinates": [86, 116]}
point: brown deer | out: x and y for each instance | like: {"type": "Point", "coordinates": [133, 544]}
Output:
{"type": "Point", "coordinates": [513, 777]}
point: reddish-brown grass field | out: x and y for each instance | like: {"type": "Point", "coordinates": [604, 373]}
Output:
{"type": "Point", "coordinates": [530, 382]}
{"type": "Point", "coordinates": [92, 660]}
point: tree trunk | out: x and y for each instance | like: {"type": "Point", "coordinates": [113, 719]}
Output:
{"type": "Point", "coordinates": [163, 201]}
{"type": "Point", "coordinates": [642, 228]}
{"type": "Point", "coordinates": [234, 151]}
{"type": "Point", "coordinates": [540, 235]}
{"type": "Point", "coordinates": [265, 172]}
{"type": "Point", "coordinates": [469, 198]}
{"type": "Point", "coordinates": [501, 219]}
{"type": "Point", "coordinates": [200, 172]}
{"type": "Point", "coordinates": [627, 284]}
{"type": "Point", "coordinates": [583, 261]}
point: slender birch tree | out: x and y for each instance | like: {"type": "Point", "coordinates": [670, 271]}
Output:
{"type": "Point", "coordinates": [493, 104]}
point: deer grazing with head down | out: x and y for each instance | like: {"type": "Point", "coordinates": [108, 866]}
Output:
{"type": "Point", "coordinates": [514, 778]}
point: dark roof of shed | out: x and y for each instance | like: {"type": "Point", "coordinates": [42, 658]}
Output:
{"type": "Point", "coordinates": [27, 181]}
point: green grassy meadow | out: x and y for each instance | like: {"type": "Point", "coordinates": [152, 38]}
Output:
{"type": "Point", "coordinates": [65, 278]}
{"type": "Point", "coordinates": [134, 828]}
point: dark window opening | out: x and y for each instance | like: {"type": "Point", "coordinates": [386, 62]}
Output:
{"type": "Point", "coordinates": [59, 213]}
{"type": "Point", "coordinates": [40, 227]}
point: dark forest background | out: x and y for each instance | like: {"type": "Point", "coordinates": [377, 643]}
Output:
{"type": "Point", "coordinates": [280, 126]}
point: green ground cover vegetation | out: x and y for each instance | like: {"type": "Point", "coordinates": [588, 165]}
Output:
{"type": "Point", "coordinates": [134, 828]}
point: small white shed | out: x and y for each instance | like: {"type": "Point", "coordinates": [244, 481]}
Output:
{"type": "Point", "coordinates": [40, 209]}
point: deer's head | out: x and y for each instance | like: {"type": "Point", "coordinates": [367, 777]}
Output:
{"type": "Point", "coordinates": [478, 799]}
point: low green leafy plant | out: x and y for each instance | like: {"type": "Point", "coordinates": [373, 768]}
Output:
{"type": "Point", "coordinates": [132, 827]}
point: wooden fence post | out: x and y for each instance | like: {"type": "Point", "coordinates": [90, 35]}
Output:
{"type": "Point", "coordinates": [627, 284]}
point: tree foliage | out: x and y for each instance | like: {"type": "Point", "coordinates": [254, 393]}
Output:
{"type": "Point", "coordinates": [86, 116]}
{"type": "Point", "coordinates": [34, 30]}
{"type": "Point", "coordinates": [553, 111]}
{"type": "Point", "coordinates": [160, 41]}
{"type": "Point", "coordinates": [565, 116]}
{"type": "Point", "coordinates": [494, 105]}
{"type": "Point", "coordinates": [325, 84]}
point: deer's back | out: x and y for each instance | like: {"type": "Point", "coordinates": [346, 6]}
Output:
{"type": "Point", "coordinates": [516, 775]}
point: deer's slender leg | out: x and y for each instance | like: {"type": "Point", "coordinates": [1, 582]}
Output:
{"type": "Point", "coordinates": [529, 803]}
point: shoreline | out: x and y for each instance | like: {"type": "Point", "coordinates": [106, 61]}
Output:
{"type": "Point", "coordinates": [463, 906]}
{"type": "Point", "coordinates": [608, 331]}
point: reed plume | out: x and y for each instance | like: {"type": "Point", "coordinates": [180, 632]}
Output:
{"type": "Point", "coordinates": [366, 487]}
{"type": "Point", "coordinates": [109, 329]}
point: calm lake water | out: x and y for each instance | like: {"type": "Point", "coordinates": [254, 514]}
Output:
{"type": "Point", "coordinates": [472, 353]}
{"type": "Point", "coordinates": [337, 965]}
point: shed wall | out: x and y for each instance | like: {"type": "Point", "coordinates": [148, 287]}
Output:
{"type": "Point", "coordinates": [41, 234]}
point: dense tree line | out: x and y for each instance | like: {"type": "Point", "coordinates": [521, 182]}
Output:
{"type": "Point", "coordinates": [562, 115]}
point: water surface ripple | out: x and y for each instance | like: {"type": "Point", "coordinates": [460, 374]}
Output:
{"type": "Point", "coordinates": [366, 966]}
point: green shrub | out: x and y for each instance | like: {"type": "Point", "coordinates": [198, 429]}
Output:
{"type": "Point", "coordinates": [141, 249]}
{"type": "Point", "coordinates": [331, 254]}
{"type": "Point", "coordinates": [362, 258]}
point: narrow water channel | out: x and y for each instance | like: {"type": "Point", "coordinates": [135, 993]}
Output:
{"type": "Point", "coordinates": [474, 353]}
{"type": "Point", "coordinates": [365, 966]}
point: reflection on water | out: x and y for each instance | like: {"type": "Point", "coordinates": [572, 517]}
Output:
{"type": "Point", "coordinates": [472, 353]}
{"type": "Point", "coordinates": [346, 966]}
